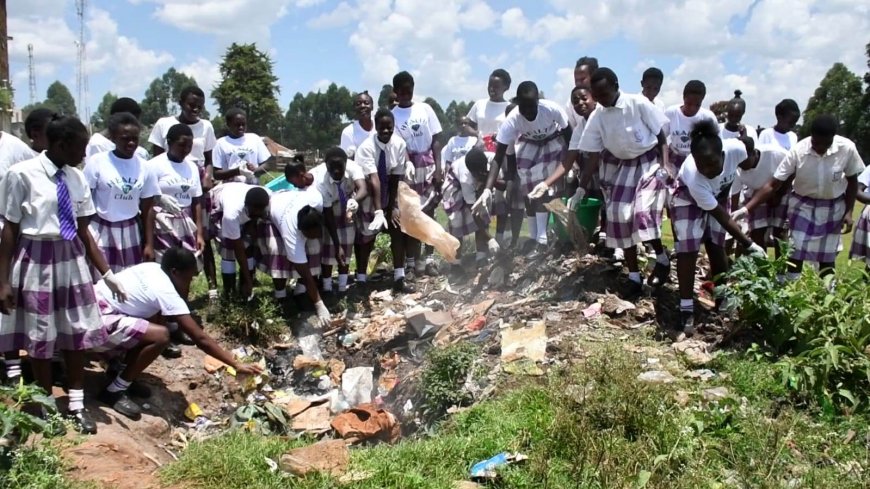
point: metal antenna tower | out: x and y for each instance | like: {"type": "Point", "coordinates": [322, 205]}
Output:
{"type": "Point", "coordinates": [31, 74]}
{"type": "Point", "coordinates": [81, 71]}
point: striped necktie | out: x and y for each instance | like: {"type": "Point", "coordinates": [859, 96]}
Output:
{"type": "Point", "coordinates": [342, 197]}
{"type": "Point", "coordinates": [382, 175]}
{"type": "Point", "coordinates": [65, 215]}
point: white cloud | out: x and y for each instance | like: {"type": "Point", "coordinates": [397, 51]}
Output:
{"type": "Point", "coordinates": [53, 40]}
{"type": "Point", "coordinates": [28, 8]}
{"type": "Point", "coordinates": [479, 16]}
{"type": "Point", "coordinates": [205, 71]}
{"type": "Point", "coordinates": [321, 85]}
{"type": "Point", "coordinates": [343, 14]}
{"type": "Point", "coordinates": [242, 21]}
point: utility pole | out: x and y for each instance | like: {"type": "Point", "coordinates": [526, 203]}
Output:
{"type": "Point", "coordinates": [5, 85]}
{"type": "Point", "coordinates": [31, 72]}
{"type": "Point", "coordinates": [81, 68]}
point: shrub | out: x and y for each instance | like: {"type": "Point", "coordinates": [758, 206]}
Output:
{"type": "Point", "coordinates": [443, 378]}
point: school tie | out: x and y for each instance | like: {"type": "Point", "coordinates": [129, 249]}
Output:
{"type": "Point", "coordinates": [64, 209]}
{"type": "Point", "coordinates": [342, 197]}
{"type": "Point", "coordinates": [382, 175]}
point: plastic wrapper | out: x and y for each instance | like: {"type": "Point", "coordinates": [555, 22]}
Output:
{"type": "Point", "coordinates": [422, 227]}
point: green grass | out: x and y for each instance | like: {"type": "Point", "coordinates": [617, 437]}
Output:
{"type": "Point", "coordinates": [594, 426]}
{"type": "Point", "coordinates": [38, 466]}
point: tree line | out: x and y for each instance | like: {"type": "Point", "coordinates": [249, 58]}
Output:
{"type": "Point", "coordinates": [314, 120]}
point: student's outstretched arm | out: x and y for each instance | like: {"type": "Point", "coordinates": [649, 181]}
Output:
{"type": "Point", "coordinates": [207, 344]}
{"type": "Point", "coordinates": [589, 169]}
{"type": "Point", "coordinates": [851, 195]}
{"type": "Point", "coordinates": [8, 243]}
{"type": "Point", "coordinates": [764, 194]}
{"type": "Point", "coordinates": [500, 152]}
{"type": "Point", "coordinates": [723, 218]}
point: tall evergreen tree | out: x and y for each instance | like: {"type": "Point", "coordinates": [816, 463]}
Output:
{"type": "Point", "coordinates": [247, 82]}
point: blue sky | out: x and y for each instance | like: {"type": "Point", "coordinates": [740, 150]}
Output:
{"type": "Point", "coordinates": [770, 49]}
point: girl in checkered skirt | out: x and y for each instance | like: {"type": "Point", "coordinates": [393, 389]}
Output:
{"type": "Point", "coordinates": [123, 189]}
{"type": "Point", "coordinates": [46, 291]}
{"type": "Point", "coordinates": [823, 169]}
{"type": "Point", "coordinates": [861, 240]}
{"type": "Point", "coordinates": [700, 204]}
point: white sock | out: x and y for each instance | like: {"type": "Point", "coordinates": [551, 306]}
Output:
{"type": "Point", "coordinates": [410, 263]}
{"type": "Point", "coordinates": [634, 277]}
{"type": "Point", "coordinates": [327, 284]}
{"type": "Point", "coordinates": [541, 218]}
{"type": "Point", "coordinates": [480, 255]}
{"type": "Point", "coordinates": [399, 273]}
{"type": "Point", "coordinates": [687, 305]}
{"type": "Point", "coordinates": [430, 259]}
{"type": "Point", "coordinates": [280, 294]}
{"type": "Point", "coordinates": [76, 399]}
{"type": "Point", "coordinates": [420, 266]}
{"type": "Point", "coordinates": [663, 259]}
{"type": "Point", "coordinates": [228, 267]}
{"type": "Point", "coordinates": [342, 282]}
{"type": "Point", "coordinates": [118, 385]}
{"type": "Point", "coordinates": [361, 278]}
{"type": "Point", "coordinates": [533, 227]}
{"type": "Point", "coordinates": [792, 276]}
{"type": "Point", "coordinates": [300, 288]}
{"type": "Point", "coordinates": [602, 236]}
{"type": "Point", "coordinates": [619, 254]}
{"type": "Point", "coordinates": [13, 368]}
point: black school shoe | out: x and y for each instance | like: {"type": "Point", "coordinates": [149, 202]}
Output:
{"type": "Point", "coordinates": [136, 388]}
{"type": "Point", "coordinates": [633, 290]}
{"type": "Point", "coordinates": [171, 351]}
{"type": "Point", "coordinates": [661, 274]}
{"type": "Point", "coordinates": [81, 420]}
{"type": "Point", "coordinates": [687, 322]}
{"type": "Point", "coordinates": [400, 287]}
{"type": "Point", "coordinates": [121, 403]}
{"type": "Point", "coordinates": [179, 337]}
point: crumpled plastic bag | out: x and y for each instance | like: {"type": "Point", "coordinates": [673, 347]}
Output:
{"type": "Point", "coordinates": [422, 227]}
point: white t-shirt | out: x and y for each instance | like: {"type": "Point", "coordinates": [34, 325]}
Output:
{"type": "Point", "coordinates": [149, 292]}
{"type": "Point", "coordinates": [12, 151]}
{"type": "Point", "coordinates": [100, 144]}
{"type": "Point", "coordinates": [771, 136]}
{"type": "Point", "coordinates": [488, 115]}
{"type": "Point", "coordinates": [328, 188]}
{"type": "Point", "coordinates": [284, 211]}
{"type": "Point", "coordinates": [679, 127]}
{"type": "Point", "coordinates": [417, 125]}
{"type": "Point", "coordinates": [232, 204]}
{"type": "Point", "coordinates": [369, 152]}
{"type": "Point", "coordinates": [118, 185]}
{"type": "Point", "coordinates": [467, 183]}
{"type": "Point", "coordinates": [706, 191]}
{"type": "Point", "coordinates": [576, 134]}
{"type": "Point", "coordinates": [627, 130]}
{"type": "Point", "coordinates": [353, 136]}
{"type": "Point", "coordinates": [179, 180]}
{"type": "Point", "coordinates": [770, 156]}
{"type": "Point", "coordinates": [726, 134]}
{"type": "Point", "coordinates": [457, 147]}
{"type": "Point", "coordinates": [203, 136]}
{"type": "Point", "coordinates": [551, 119]}
{"type": "Point", "coordinates": [229, 154]}
{"type": "Point", "coordinates": [821, 176]}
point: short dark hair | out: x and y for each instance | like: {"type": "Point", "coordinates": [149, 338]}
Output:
{"type": "Point", "coordinates": [737, 100]}
{"type": "Point", "coordinates": [65, 129]}
{"type": "Point", "coordinates": [384, 112]}
{"type": "Point", "coordinates": [785, 106]}
{"type": "Point", "coordinates": [36, 120]}
{"type": "Point", "coordinates": [652, 73]}
{"type": "Point", "coordinates": [527, 89]}
{"type": "Point", "coordinates": [257, 197]}
{"type": "Point", "coordinates": [580, 87]}
{"type": "Point", "coordinates": [334, 152]}
{"type": "Point", "coordinates": [705, 137]}
{"type": "Point", "coordinates": [190, 90]}
{"type": "Point", "coordinates": [294, 168]}
{"type": "Point", "coordinates": [476, 160]}
{"type": "Point", "coordinates": [589, 61]}
{"type": "Point", "coordinates": [178, 258]}
{"type": "Point", "coordinates": [604, 74]}
{"type": "Point", "coordinates": [402, 78]}
{"type": "Point", "coordinates": [122, 119]}
{"type": "Point", "coordinates": [825, 125]}
{"type": "Point", "coordinates": [503, 74]}
{"type": "Point", "coordinates": [309, 219]}
{"type": "Point", "coordinates": [233, 112]}
{"type": "Point", "coordinates": [177, 132]}
{"type": "Point", "coordinates": [695, 87]}
{"type": "Point", "coordinates": [126, 104]}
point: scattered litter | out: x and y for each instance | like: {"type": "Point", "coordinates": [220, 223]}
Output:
{"type": "Point", "coordinates": [466, 485]}
{"type": "Point", "coordinates": [715, 394]}
{"type": "Point", "coordinates": [357, 385]}
{"type": "Point", "coordinates": [592, 311]}
{"type": "Point", "coordinates": [313, 419]}
{"type": "Point", "coordinates": [476, 324]}
{"type": "Point", "coordinates": [266, 419]}
{"type": "Point", "coordinates": [487, 468]}
{"type": "Point", "coordinates": [355, 476]}
{"type": "Point", "coordinates": [524, 342]}
{"type": "Point", "coordinates": [481, 308]}
{"type": "Point", "coordinates": [496, 277]}
{"type": "Point", "coordinates": [329, 457]}
{"type": "Point", "coordinates": [366, 422]}
{"type": "Point", "coordinates": [694, 352]}
{"type": "Point", "coordinates": [425, 321]}
{"type": "Point", "coordinates": [384, 295]}
{"type": "Point", "coordinates": [193, 411]}
{"type": "Point", "coordinates": [349, 339]}
{"type": "Point", "coordinates": [273, 465]}
{"type": "Point", "coordinates": [408, 407]}
{"type": "Point", "coordinates": [418, 225]}
{"type": "Point", "coordinates": [614, 306]}
{"type": "Point", "coordinates": [657, 377]}
{"type": "Point", "coordinates": [212, 364]}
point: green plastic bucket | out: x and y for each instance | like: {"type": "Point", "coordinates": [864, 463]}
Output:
{"type": "Point", "coordinates": [587, 213]}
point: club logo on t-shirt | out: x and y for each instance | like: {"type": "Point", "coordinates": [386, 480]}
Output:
{"type": "Point", "coordinates": [413, 127]}
{"type": "Point", "coordinates": [125, 187]}
{"type": "Point", "coordinates": [185, 188]}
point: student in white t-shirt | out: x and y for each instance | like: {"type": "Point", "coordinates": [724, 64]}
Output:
{"type": "Point", "coordinates": [823, 169]}
{"type": "Point", "coordinates": [733, 126]}
{"type": "Point", "coordinates": [418, 125]}
{"type": "Point", "coordinates": [156, 295]}
{"type": "Point", "coordinates": [342, 187]}
{"type": "Point", "coordinates": [12, 151]}
{"type": "Point", "coordinates": [362, 127]}
{"type": "Point", "coordinates": [489, 113]}
{"type": "Point", "coordinates": [700, 207]}
{"type": "Point", "coordinates": [382, 158]}
{"type": "Point", "coordinates": [682, 118]}
{"type": "Point", "coordinates": [771, 215]}
{"type": "Point", "coordinates": [100, 142]}
{"type": "Point", "coordinates": [787, 115]}
{"type": "Point", "coordinates": [124, 189]}
{"type": "Point", "coordinates": [239, 156]}
{"type": "Point", "coordinates": [651, 84]}
{"type": "Point", "coordinates": [860, 249]}
{"type": "Point", "coordinates": [540, 132]}
{"type": "Point", "coordinates": [459, 145]}
{"type": "Point", "coordinates": [583, 70]}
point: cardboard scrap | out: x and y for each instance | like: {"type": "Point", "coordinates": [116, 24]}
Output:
{"type": "Point", "coordinates": [329, 456]}
{"type": "Point", "coordinates": [212, 364]}
{"type": "Point", "coordinates": [366, 422]}
{"type": "Point", "coordinates": [519, 342]}
{"type": "Point", "coordinates": [314, 418]}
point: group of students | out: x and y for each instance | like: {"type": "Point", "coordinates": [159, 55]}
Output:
{"type": "Point", "coordinates": [100, 258]}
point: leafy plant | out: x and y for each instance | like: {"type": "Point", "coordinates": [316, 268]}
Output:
{"type": "Point", "coordinates": [257, 322]}
{"type": "Point", "coordinates": [16, 425]}
{"type": "Point", "coordinates": [443, 377]}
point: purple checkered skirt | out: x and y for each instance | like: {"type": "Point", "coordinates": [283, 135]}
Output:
{"type": "Point", "coordinates": [815, 226]}
{"type": "Point", "coordinates": [536, 161]}
{"type": "Point", "coordinates": [364, 216]}
{"type": "Point", "coordinates": [120, 242]}
{"type": "Point", "coordinates": [649, 206]}
{"type": "Point", "coordinates": [692, 225]}
{"type": "Point", "coordinates": [675, 158]}
{"type": "Point", "coordinates": [767, 215]}
{"type": "Point", "coordinates": [313, 251]}
{"type": "Point", "coordinates": [123, 332]}
{"type": "Point", "coordinates": [346, 237]}
{"type": "Point", "coordinates": [56, 308]}
{"type": "Point", "coordinates": [620, 180]}
{"type": "Point", "coordinates": [272, 258]}
{"type": "Point", "coordinates": [861, 239]}
{"type": "Point", "coordinates": [173, 230]}
{"type": "Point", "coordinates": [424, 172]}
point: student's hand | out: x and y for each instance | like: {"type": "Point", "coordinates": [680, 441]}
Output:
{"type": "Point", "coordinates": [757, 251]}
{"type": "Point", "coordinates": [739, 214]}
{"type": "Point", "coordinates": [352, 206]}
{"type": "Point", "coordinates": [395, 217]}
{"type": "Point", "coordinates": [200, 244]}
{"type": "Point", "coordinates": [7, 302]}
{"type": "Point", "coordinates": [246, 172]}
{"type": "Point", "coordinates": [169, 204]}
{"type": "Point", "coordinates": [437, 181]}
{"type": "Point", "coordinates": [539, 191]}
{"type": "Point", "coordinates": [493, 246]}
{"type": "Point", "coordinates": [575, 200]}
{"type": "Point", "coordinates": [148, 253]}
{"type": "Point", "coordinates": [340, 257]}
{"type": "Point", "coordinates": [848, 223]}
{"type": "Point", "coordinates": [483, 202]}
{"type": "Point", "coordinates": [207, 183]}
{"type": "Point", "coordinates": [379, 221]}
{"type": "Point", "coordinates": [324, 318]}
{"type": "Point", "coordinates": [249, 369]}
{"type": "Point", "coordinates": [115, 286]}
